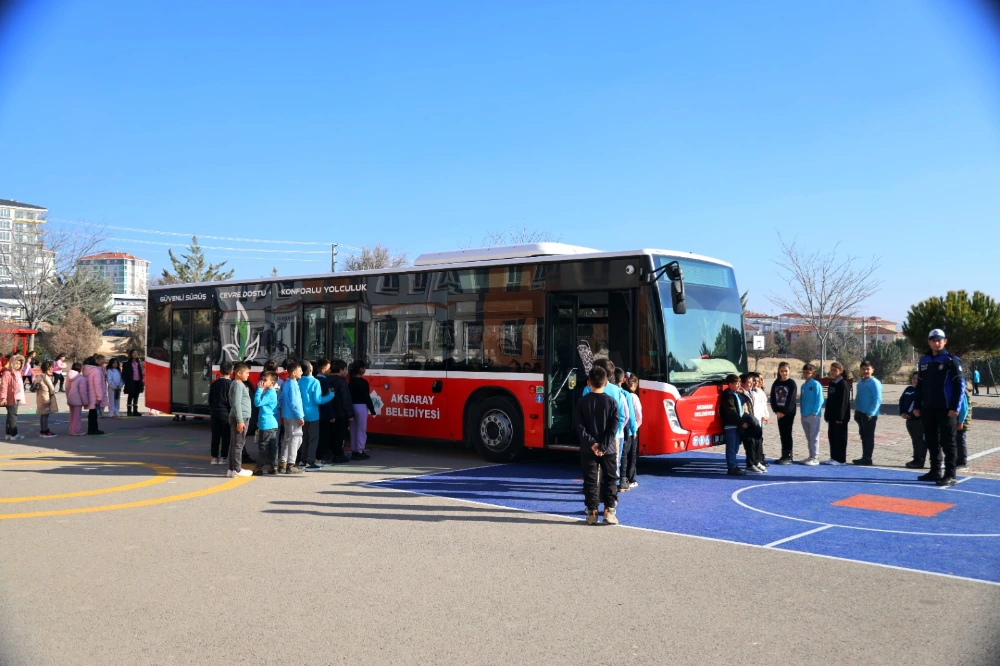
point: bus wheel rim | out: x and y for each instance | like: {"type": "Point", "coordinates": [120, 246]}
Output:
{"type": "Point", "coordinates": [496, 430]}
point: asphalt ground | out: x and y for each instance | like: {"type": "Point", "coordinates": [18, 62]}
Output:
{"type": "Point", "coordinates": [324, 568]}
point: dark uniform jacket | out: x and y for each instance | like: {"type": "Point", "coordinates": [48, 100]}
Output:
{"type": "Point", "coordinates": [941, 382]}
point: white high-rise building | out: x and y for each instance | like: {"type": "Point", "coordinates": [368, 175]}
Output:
{"type": "Point", "coordinates": [128, 276]}
{"type": "Point", "coordinates": [20, 231]}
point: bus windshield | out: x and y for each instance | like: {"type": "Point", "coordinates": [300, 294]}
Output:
{"type": "Point", "coordinates": [707, 343]}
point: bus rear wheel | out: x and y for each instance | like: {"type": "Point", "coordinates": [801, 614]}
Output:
{"type": "Point", "coordinates": [496, 430]}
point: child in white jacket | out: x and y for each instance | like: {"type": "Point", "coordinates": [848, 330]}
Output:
{"type": "Point", "coordinates": [115, 384]}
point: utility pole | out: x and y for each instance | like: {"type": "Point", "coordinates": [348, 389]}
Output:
{"type": "Point", "coordinates": [333, 257]}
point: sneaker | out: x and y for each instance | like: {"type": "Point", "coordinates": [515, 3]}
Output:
{"type": "Point", "coordinates": [292, 469]}
{"type": "Point", "coordinates": [913, 464]}
{"type": "Point", "coordinates": [929, 476]}
{"type": "Point", "coordinates": [863, 462]}
{"type": "Point", "coordinates": [961, 464]}
{"type": "Point", "coordinates": [272, 470]}
{"type": "Point", "coordinates": [230, 473]}
{"type": "Point", "coordinates": [736, 471]}
{"type": "Point", "coordinates": [753, 470]}
{"type": "Point", "coordinates": [810, 461]}
{"type": "Point", "coordinates": [216, 461]}
{"type": "Point", "coordinates": [362, 456]}
{"type": "Point", "coordinates": [623, 488]}
{"type": "Point", "coordinates": [609, 517]}
{"type": "Point", "coordinates": [47, 435]}
{"type": "Point", "coordinates": [243, 472]}
{"type": "Point", "coordinates": [765, 463]}
{"type": "Point", "coordinates": [946, 481]}
{"type": "Point", "coordinates": [761, 468]}
{"type": "Point", "coordinates": [341, 459]}
{"type": "Point", "coordinates": [831, 461]}
{"type": "Point", "coordinates": [7, 437]}
{"type": "Point", "coordinates": [223, 460]}
{"type": "Point", "coordinates": [312, 467]}
{"type": "Point", "coordinates": [259, 471]}
{"type": "Point", "coordinates": [783, 461]}
{"type": "Point", "coordinates": [634, 484]}
{"type": "Point", "coordinates": [591, 516]}
{"type": "Point", "coordinates": [19, 437]}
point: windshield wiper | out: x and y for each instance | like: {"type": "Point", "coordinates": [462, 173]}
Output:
{"type": "Point", "coordinates": [688, 390]}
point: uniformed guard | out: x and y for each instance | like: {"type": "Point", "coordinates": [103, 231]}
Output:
{"type": "Point", "coordinates": [936, 404]}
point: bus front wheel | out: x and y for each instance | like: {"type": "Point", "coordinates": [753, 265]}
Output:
{"type": "Point", "coordinates": [497, 431]}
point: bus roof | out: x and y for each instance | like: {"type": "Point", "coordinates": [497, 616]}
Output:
{"type": "Point", "coordinates": [570, 253]}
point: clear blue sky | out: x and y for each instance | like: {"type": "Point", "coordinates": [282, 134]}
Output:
{"type": "Point", "coordinates": [614, 125]}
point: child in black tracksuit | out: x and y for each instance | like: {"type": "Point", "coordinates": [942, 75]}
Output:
{"type": "Point", "coordinates": [218, 404]}
{"type": "Point", "coordinates": [595, 419]}
{"type": "Point", "coordinates": [343, 409]}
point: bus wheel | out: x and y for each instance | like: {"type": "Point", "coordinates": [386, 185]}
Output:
{"type": "Point", "coordinates": [496, 431]}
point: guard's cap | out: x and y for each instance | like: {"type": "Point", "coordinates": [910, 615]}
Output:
{"type": "Point", "coordinates": [936, 333]}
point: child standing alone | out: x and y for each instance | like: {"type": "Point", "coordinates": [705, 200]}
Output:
{"type": "Point", "coordinates": [596, 420]}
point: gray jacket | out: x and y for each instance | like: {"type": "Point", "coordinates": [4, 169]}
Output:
{"type": "Point", "coordinates": [240, 404]}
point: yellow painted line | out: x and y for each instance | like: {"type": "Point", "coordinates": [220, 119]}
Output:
{"type": "Point", "coordinates": [163, 473]}
{"type": "Point", "coordinates": [228, 485]}
{"type": "Point", "coordinates": [84, 454]}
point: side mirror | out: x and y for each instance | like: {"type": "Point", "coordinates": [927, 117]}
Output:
{"type": "Point", "coordinates": [676, 275]}
{"type": "Point", "coordinates": [571, 381]}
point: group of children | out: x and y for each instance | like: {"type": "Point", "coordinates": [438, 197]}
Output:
{"type": "Point", "coordinates": [88, 385]}
{"type": "Point", "coordinates": [319, 404]}
{"type": "Point", "coordinates": [607, 420]}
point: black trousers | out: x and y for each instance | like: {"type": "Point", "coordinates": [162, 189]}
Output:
{"type": "Point", "coordinates": [12, 420]}
{"type": "Point", "coordinates": [58, 381]}
{"type": "Point", "coordinates": [753, 447]}
{"type": "Point", "coordinates": [600, 479]}
{"type": "Point", "coordinates": [975, 388]}
{"type": "Point", "coordinates": [915, 428]}
{"type": "Point", "coordinates": [341, 433]}
{"type": "Point", "coordinates": [221, 435]}
{"type": "Point", "coordinates": [939, 433]}
{"type": "Point", "coordinates": [630, 451]}
{"type": "Point", "coordinates": [866, 429]}
{"type": "Point", "coordinates": [837, 434]}
{"type": "Point", "coordinates": [92, 428]}
{"type": "Point", "coordinates": [785, 431]}
{"type": "Point", "coordinates": [961, 449]}
{"type": "Point", "coordinates": [132, 402]}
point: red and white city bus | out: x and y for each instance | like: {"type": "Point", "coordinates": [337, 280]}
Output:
{"type": "Point", "coordinates": [487, 346]}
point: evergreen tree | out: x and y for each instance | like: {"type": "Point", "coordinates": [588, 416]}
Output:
{"type": "Point", "coordinates": [972, 323]}
{"type": "Point", "coordinates": [192, 267]}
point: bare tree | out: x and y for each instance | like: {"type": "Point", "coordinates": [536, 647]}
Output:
{"type": "Point", "coordinates": [824, 288]}
{"type": "Point", "coordinates": [805, 348]}
{"type": "Point", "coordinates": [42, 263]}
{"type": "Point", "coordinates": [76, 336]}
{"type": "Point", "coordinates": [515, 236]}
{"type": "Point", "coordinates": [376, 256]}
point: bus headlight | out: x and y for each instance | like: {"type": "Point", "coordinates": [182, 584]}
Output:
{"type": "Point", "coordinates": [675, 423]}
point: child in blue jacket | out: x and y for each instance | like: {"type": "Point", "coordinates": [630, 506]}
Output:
{"type": "Point", "coordinates": [265, 399]}
{"type": "Point", "coordinates": [312, 398]}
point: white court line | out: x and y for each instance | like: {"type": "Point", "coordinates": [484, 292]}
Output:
{"type": "Point", "coordinates": [962, 480]}
{"type": "Point", "coordinates": [797, 536]}
{"type": "Point", "coordinates": [571, 519]}
{"type": "Point", "coordinates": [982, 453]}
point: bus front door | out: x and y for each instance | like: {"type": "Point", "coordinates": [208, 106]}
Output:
{"type": "Point", "coordinates": [190, 361]}
{"type": "Point", "coordinates": [583, 326]}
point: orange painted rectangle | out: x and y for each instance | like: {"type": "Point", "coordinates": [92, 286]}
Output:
{"type": "Point", "coordinates": [909, 507]}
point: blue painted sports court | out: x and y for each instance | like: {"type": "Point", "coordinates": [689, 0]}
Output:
{"type": "Point", "coordinates": [864, 514]}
